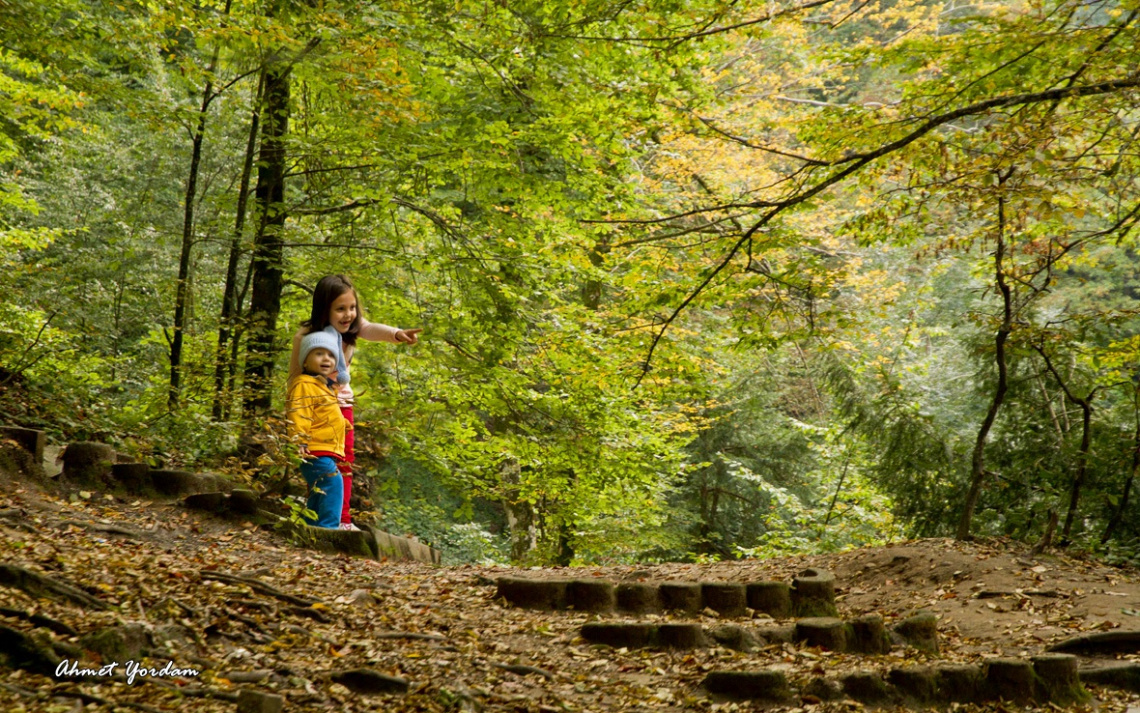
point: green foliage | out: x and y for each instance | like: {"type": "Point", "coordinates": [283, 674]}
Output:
{"type": "Point", "coordinates": [295, 521]}
{"type": "Point", "coordinates": [411, 503]}
{"type": "Point", "coordinates": [1123, 552]}
{"type": "Point", "coordinates": [794, 215]}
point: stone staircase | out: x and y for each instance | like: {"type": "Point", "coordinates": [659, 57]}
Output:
{"type": "Point", "coordinates": [96, 466]}
{"type": "Point", "coordinates": [804, 614]}
{"type": "Point", "coordinates": [811, 594]}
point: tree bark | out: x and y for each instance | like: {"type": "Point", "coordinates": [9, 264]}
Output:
{"type": "Point", "coordinates": [268, 248]}
{"type": "Point", "coordinates": [1082, 468]}
{"type": "Point", "coordinates": [182, 294]}
{"type": "Point", "coordinates": [239, 327]}
{"type": "Point", "coordinates": [835, 496]}
{"type": "Point", "coordinates": [566, 526]}
{"type": "Point", "coordinates": [222, 395]}
{"type": "Point", "coordinates": [978, 462]}
{"type": "Point", "coordinates": [1086, 438]}
{"type": "Point", "coordinates": [521, 517]}
{"type": "Point", "coordinates": [1117, 516]}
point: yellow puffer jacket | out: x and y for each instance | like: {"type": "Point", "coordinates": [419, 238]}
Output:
{"type": "Point", "coordinates": [315, 420]}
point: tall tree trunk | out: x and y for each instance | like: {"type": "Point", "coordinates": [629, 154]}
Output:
{"type": "Point", "coordinates": [709, 545]}
{"type": "Point", "coordinates": [182, 294]}
{"type": "Point", "coordinates": [703, 497]}
{"type": "Point", "coordinates": [591, 298]}
{"type": "Point", "coordinates": [978, 462]}
{"type": "Point", "coordinates": [222, 395]}
{"type": "Point", "coordinates": [1122, 506]}
{"type": "Point", "coordinates": [521, 517]}
{"type": "Point", "coordinates": [268, 247]}
{"type": "Point", "coordinates": [1082, 468]}
{"type": "Point", "coordinates": [835, 497]}
{"type": "Point", "coordinates": [566, 526]}
{"type": "Point", "coordinates": [120, 288]}
{"type": "Point", "coordinates": [1086, 438]}
{"type": "Point", "coordinates": [239, 331]}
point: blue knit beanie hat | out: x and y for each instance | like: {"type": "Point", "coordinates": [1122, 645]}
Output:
{"type": "Point", "coordinates": [322, 340]}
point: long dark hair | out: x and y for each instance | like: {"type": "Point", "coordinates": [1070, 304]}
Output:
{"type": "Point", "coordinates": [325, 293]}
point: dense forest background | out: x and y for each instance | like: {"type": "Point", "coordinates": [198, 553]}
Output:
{"type": "Point", "coordinates": [698, 279]}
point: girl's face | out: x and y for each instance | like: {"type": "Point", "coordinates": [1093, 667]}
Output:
{"type": "Point", "coordinates": [342, 312]}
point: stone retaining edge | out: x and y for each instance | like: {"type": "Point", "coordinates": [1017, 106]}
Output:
{"type": "Point", "coordinates": [1050, 678]}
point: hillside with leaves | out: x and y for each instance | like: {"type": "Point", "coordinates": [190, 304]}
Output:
{"type": "Point", "coordinates": [220, 613]}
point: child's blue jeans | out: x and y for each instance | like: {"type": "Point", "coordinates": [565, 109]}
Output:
{"type": "Point", "coordinates": [320, 473]}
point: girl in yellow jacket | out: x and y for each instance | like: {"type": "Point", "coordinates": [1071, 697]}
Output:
{"type": "Point", "coordinates": [318, 427]}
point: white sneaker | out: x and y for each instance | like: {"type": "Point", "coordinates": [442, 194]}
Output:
{"type": "Point", "coordinates": [349, 526]}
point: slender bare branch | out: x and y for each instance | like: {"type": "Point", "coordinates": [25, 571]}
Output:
{"type": "Point", "coordinates": [859, 160]}
{"type": "Point", "coordinates": [745, 142]}
{"type": "Point", "coordinates": [707, 32]}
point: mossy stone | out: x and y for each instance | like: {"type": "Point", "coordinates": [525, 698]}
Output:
{"type": "Point", "coordinates": [867, 687]}
{"type": "Point", "coordinates": [682, 597]}
{"type": "Point", "coordinates": [920, 630]}
{"type": "Point", "coordinates": [735, 637]}
{"type": "Point", "coordinates": [868, 635]}
{"type": "Point", "coordinates": [959, 683]}
{"type": "Point", "coordinates": [822, 632]}
{"type": "Point", "coordinates": [729, 599]}
{"type": "Point", "coordinates": [680, 636]}
{"type": "Point", "coordinates": [772, 598]}
{"type": "Point", "coordinates": [765, 685]}
{"type": "Point", "coordinates": [618, 635]}
{"type": "Point", "coordinates": [813, 594]}
{"type": "Point", "coordinates": [591, 595]}
{"type": "Point", "coordinates": [126, 642]}
{"type": "Point", "coordinates": [1058, 680]}
{"type": "Point", "coordinates": [919, 683]}
{"type": "Point", "coordinates": [1010, 680]}
{"type": "Point", "coordinates": [88, 463]}
{"type": "Point", "coordinates": [639, 598]}
{"type": "Point", "coordinates": [533, 593]}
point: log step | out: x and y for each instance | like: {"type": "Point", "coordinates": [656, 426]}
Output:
{"type": "Point", "coordinates": [727, 599]}
{"type": "Point", "coordinates": [1047, 679]}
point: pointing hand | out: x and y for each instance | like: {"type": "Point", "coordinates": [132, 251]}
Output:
{"type": "Point", "coordinates": [408, 336]}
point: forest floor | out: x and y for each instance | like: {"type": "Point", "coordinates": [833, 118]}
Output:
{"type": "Point", "coordinates": [442, 630]}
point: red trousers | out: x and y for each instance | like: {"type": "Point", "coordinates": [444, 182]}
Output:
{"type": "Point", "coordinates": [345, 466]}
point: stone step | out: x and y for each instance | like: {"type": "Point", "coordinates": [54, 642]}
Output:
{"type": "Point", "coordinates": [21, 451]}
{"type": "Point", "coordinates": [366, 542]}
{"type": "Point", "coordinates": [96, 465]}
{"type": "Point", "coordinates": [812, 593]}
{"type": "Point", "coordinates": [30, 439]}
{"type": "Point", "coordinates": [88, 463]}
{"type": "Point", "coordinates": [238, 502]}
{"type": "Point", "coordinates": [863, 635]}
{"type": "Point", "coordinates": [389, 546]}
{"type": "Point", "coordinates": [684, 635]}
{"type": "Point", "coordinates": [176, 483]}
{"type": "Point", "coordinates": [1049, 678]}
{"type": "Point", "coordinates": [1117, 674]}
{"type": "Point", "coordinates": [1100, 643]}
